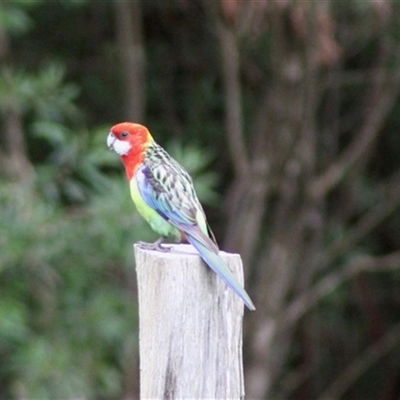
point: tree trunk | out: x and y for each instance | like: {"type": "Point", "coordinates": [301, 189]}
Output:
{"type": "Point", "coordinates": [133, 59]}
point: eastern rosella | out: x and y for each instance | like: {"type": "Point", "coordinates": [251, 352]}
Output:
{"type": "Point", "coordinates": [164, 195]}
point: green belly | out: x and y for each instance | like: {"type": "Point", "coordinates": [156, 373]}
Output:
{"type": "Point", "coordinates": [157, 223]}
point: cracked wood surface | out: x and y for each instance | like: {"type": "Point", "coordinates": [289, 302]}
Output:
{"type": "Point", "coordinates": [190, 327]}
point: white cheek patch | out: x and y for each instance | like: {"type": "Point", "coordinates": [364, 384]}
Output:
{"type": "Point", "coordinates": [121, 147]}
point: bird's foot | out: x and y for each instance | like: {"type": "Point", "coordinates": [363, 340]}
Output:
{"type": "Point", "coordinates": [156, 246]}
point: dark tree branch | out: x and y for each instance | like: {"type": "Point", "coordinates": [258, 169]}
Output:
{"type": "Point", "coordinates": [366, 224]}
{"type": "Point", "coordinates": [128, 20]}
{"type": "Point", "coordinates": [361, 364]}
{"type": "Point", "coordinates": [18, 164]}
{"type": "Point", "coordinates": [233, 99]}
{"type": "Point", "coordinates": [380, 101]}
{"type": "Point", "coordinates": [308, 299]}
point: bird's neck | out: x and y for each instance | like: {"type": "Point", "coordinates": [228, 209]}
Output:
{"type": "Point", "coordinates": [134, 159]}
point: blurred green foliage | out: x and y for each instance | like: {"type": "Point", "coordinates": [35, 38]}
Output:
{"type": "Point", "coordinates": [68, 312]}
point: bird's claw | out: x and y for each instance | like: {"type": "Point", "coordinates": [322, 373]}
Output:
{"type": "Point", "coordinates": [156, 246]}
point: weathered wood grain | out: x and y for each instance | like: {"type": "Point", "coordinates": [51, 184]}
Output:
{"type": "Point", "coordinates": [190, 327]}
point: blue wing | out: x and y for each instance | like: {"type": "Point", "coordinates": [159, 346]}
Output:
{"type": "Point", "coordinates": [167, 188]}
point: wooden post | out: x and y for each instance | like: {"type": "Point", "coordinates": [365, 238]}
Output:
{"type": "Point", "coordinates": [190, 327]}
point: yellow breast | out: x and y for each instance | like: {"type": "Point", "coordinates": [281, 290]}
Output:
{"type": "Point", "coordinates": [156, 221]}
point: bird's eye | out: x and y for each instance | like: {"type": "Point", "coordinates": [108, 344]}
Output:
{"type": "Point", "coordinates": [124, 134]}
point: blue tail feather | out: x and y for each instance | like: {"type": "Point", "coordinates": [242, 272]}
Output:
{"type": "Point", "coordinates": [215, 262]}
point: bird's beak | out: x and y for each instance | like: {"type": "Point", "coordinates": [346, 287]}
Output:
{"type": "Point", "coordinates": [110, 140]}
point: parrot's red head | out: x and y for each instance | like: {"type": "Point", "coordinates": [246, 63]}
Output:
{"type": "Point", "coordinates": [129, 140]}
{"type": "Point", "coordinates": [127, 136]}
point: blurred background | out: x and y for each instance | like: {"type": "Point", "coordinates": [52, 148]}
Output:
{"type": "Point", "coordinates": [286, 115]}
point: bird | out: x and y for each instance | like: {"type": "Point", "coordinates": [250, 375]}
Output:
{"type": "Point", "coordinates": [164, 195]}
